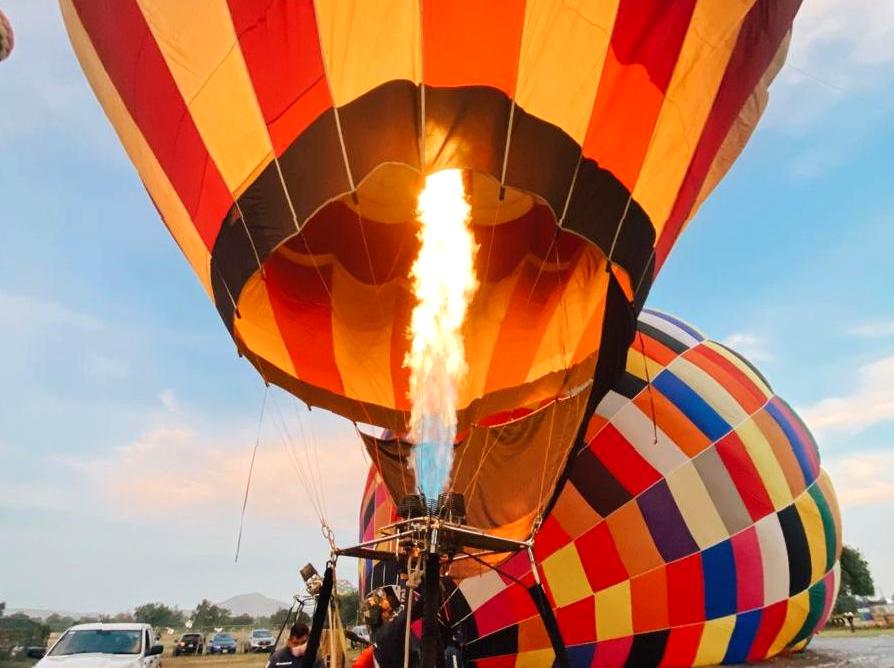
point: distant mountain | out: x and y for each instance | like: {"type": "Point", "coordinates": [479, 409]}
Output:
{"type": "Point", "coordinates": [37, 613]}
{"type": "Point", "coordinates": [256, 605]}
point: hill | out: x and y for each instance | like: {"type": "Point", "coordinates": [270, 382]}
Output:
{"type": "Point", "coordinates": [256, 605]}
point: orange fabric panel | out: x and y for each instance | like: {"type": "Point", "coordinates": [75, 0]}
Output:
{"type": "Point", "coordinates": [573, 513]}
{"type": "Point", "coordinates": [649, 594]}
{"type": "Point", "coordinates": [472, 42]}
{"type": "Point", "coordinates": [633, 540]}
{"type": "Point", "coordinates": [673, 422]}
{"type": "Point", "coordinates": [728, 376]}
{"type": "Point", "coordinates": [783, 451]}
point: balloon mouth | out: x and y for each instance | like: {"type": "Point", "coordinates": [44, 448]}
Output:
{"type": "Point", "coordinates": [340, 296]}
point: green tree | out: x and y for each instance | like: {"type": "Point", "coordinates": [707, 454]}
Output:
{"type": "Point", "coordinates": [209, 616]}
{"type": "Point", "coordinates": [348, 606]}
{"type": "Point", "coordinates": [242, 620]}
{"type": "Point", "coordinates": [856, 580]}
{"type": "Point", "coordinates": [58, 623]}
{"type": "Point", "coordinates": [158, 614]}
{"type": "Point", "coordinates": [2, 607]}
{"type": "Point", "coordinates": [275, 621]}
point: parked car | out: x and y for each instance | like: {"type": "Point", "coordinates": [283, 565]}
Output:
{"type": "Point", "coordinates": [222, 643]}
{"type": "Point", "coordinates": [259, 640]}
{"type": "Point", "coordinates": [122, 645]}
{"type": "Point", "coordinates": [190, 643]}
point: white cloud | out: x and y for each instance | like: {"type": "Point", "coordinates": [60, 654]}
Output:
{"type": "Point", "coordinates": [29, 313]}
{"type": "Point", "coordinates": [873, 330]}
{"type": "Point", "coordinates": [182, 470]}
{"type": "Point", "coordinates": [863, 479]}
{"type": "Point", "coordinates": [749, 345]}
{"type": "Point", "coordinates": [870, 403]}
{"type": "Point", "coordinates": [169, 400]}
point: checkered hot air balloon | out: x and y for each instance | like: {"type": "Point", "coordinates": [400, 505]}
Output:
{"type": "Point", "coordinates": [693, 525]}
{"type": "Point", "coordinates": [283, 143]}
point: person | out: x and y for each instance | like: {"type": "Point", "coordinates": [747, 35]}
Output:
{"type": "Point", "coordinates": [292, 654]}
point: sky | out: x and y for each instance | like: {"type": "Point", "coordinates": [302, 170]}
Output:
{"type": "Point", "coordinates": [127, 421]}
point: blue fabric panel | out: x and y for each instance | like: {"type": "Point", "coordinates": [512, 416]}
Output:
{"type": "Point", "coordinates": [719, 567]}
{"type": "Point", "coordinates": [693, 406]}
{"type": "Point", "coordinates": [798, 446]}
{"type": "Point", "coordinates": [743, 635]}
{"type": "Point", "coordinates": [581, 656]}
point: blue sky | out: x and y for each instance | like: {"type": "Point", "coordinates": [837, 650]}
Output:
{"type": "Point", "coordinates": [127, 421]}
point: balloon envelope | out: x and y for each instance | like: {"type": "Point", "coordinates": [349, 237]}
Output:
{"type": "Point", "coordinates": [283, 143]}
{"type": "Point", "coordinates": [692, 526]}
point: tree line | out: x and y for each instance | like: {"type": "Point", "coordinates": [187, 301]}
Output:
{"type": "Point", "coordinates": [206, 616]}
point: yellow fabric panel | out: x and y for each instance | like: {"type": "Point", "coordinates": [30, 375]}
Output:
{"type": "Point", "coordinates": [173, 213]}
{"type": "Point", "coordinates": [583, 295]}
{"type": "Point", "coordinates": [368, 43]}
{"type": "Point", "coordinates": [695, 504]}
{"type": "Point", "coordinates": [535, 659]}
{"type": "Point", "coordinates": [741, 366]}
{"type": "Point", "coordinates": [565, 575]}
{"type": "Point", "coordinates": [697, 75]}
{"type": "Point", "coordinates": [795, 614]}
{"type": "Point", "coordinates": [481, 329]}
{"type": "Point", "coordinates": [765, 461]}
{"type": "Point", "coordinates": [199, 45]}
{"type": "Point", "coordinates": [714, 641]}
{"type": "Point", "coordinates": [257, 327]}
{"type": "Point", "coordinates": [828, 491]}
{"type": "Point", "coordinates": [643, 367]}
{"type": "Point", "coordinates": [361, 336]}
{"type": "Point", "coordinates": [614, 616]}
{"type": "Point", "coordinates": [709, 389]}
{"type": "Point", "coordinates": [560, 65]}
{"type": "Point", "coordinates": [816, 535]}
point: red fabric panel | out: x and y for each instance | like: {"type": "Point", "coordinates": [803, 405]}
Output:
{"type": "Point", "coordinates": [281, 47]}
{"type": "Point", "coordinates": [749, 570]}
{"type": "Point", "coordinates": [470, 42]}
{"type": "Point", "coordinates": [772, 619]}
{"type": "Point", "coordinates": [550, 538]}
{"type": "Point", "coordinates": [645, 44]}
{"type": "Point", "coordinates": [623, 461]}
{"type": "Point", "coordinates": [600, 558]}
{"type": "Point", "coordinates": [506, 608]}
{"type": "Point", "coordinates": [733, 380]}
{"type": "Point", "coordinates": [686, 590]}
{"type": "Point", "coordinates": [138, 70]}
{"type": "Point", "coordinates": [682, 645]}
{"type": "Point", "coordinates": [745, 476]}
{"type": "Point", "coordinates": [612, 653]}
{"type": "Point", "coordinates": [649, 596]}
{"type": "Point", "coordinates": [762, 32]}
{"type": "Point", "coordinates": [577, 621]}
{"type": "Point", "coordinates": [303, 313]}
{"type": "Point", "coordinates": [507, 661]}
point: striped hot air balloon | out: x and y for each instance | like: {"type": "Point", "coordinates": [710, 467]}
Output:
{"type": "Point", "coordinates": [694, 526]}
{"type": "Point", "coordinates": [283, 143]}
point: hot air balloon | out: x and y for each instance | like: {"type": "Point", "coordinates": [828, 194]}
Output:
{"type": "Point", "coordinates": [283, 144]}
{"type": "Point", "coordinates": [7, 39]}
{"type": "Point", "coordinates": [695, 527]}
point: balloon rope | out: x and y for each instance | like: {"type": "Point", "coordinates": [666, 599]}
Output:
{"type": "Point", "coordinates": [642, 348]}
{"type": "Point", "coordinates": [251, 468]}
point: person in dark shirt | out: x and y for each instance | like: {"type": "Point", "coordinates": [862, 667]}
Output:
{"type": "Point", "coordinates": [292, 654]}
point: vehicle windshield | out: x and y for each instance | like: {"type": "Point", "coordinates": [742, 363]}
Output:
{"type": "Point", "coordinates": [261, 633]}
{"type": "Point", "coordinates": [99, 641]}
{"type": "Point", "coordinates": [190, 636]}
{"type": "Point", "coordinates": [223, 636]}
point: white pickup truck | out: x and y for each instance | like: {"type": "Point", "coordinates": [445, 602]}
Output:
{"type": "Point", "coordinates": [99, 645]}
